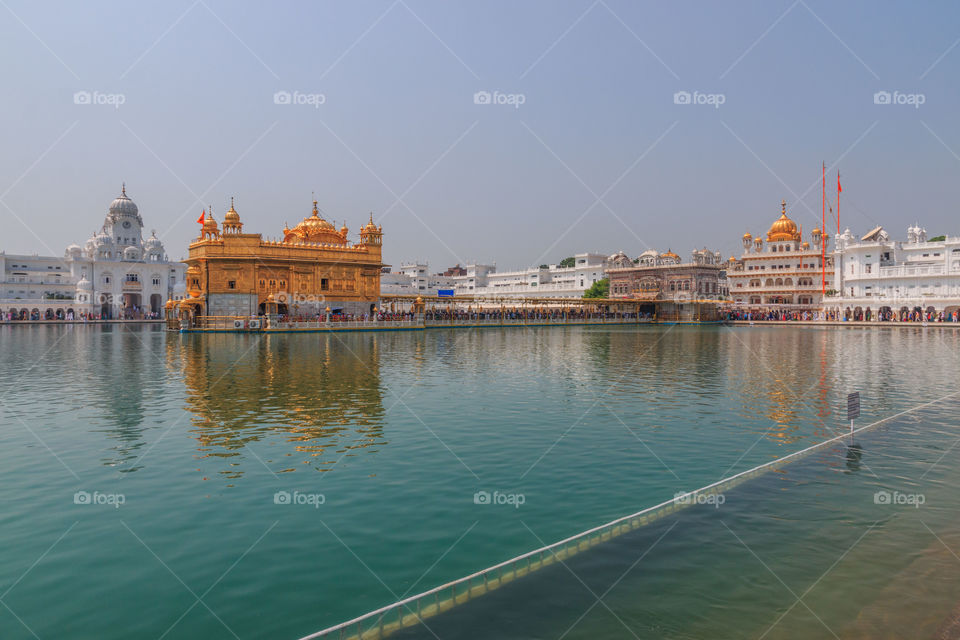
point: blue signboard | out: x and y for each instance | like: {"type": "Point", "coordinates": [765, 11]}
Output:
{"type": "Point", "coordinates": [444, 293]}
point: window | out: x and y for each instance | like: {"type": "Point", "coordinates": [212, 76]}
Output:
{"type": "Point", "coordinates": [325, 284]}
{"type": "Point", "coordinates": [156, 282]}
{"type": "Point", "coordinates": [133, 277]}
{"type": "Point", "coordinates": [232, 284]}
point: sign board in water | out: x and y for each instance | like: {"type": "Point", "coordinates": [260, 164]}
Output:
{"type": "Point", "coordinates": [444, 293]}
{"type": "Point", "coordinates": [853, 405]}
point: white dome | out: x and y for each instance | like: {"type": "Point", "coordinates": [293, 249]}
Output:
{"type": "Point", "coordinates": [123, 205]}
{"type": "Point", "coordinates": [84, 284]}
{"type": "Point", "coordinates": [131, 253]}
{"type": "Point", "coordinates": [153, 242]}
{"type": "Point", "coordinates": [102, 239]}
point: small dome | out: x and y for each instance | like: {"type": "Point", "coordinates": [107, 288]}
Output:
{"type": "Point", "coordinates": [815, 232]}
{"type": "Point", "coordinates": [102, 239]}
{"type": "Point", "coordinates": [169, 304]}
{"type": "Point", "coordinates": [131, 253]}
{"type": "Point", "coordinates": [747, 236]}
{"type": "Point", "coordinates": [123, 205]}
{"type": "Point", "coordinates": [231, 216]}
{"type": "Point", "coordinates": [670, 254]}
{"type": "Point", "coordinates": [153, 242]}
{"type": "Point", "coordinates": [806, 245]}
{"type": "Point", "coordinates": [84, 284]}
{"type": "Point", "coordinates": [193, 270]}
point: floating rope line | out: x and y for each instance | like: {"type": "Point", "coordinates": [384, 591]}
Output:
{"type": "Point", "coordinates": [413, 610]}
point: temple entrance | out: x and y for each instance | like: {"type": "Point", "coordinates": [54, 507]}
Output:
{"type": "Point", "coordinates": [131, 305]}
{"type": "Point", "coordinates": [647, 309]}
{"type": "Point", "coordinates": [156, 303]}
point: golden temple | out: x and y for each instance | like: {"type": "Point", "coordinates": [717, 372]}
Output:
{"type": "Point", "coordinates": [313, 270]}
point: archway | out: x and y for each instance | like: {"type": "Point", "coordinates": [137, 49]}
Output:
{"type": "Point", "coordinates": [48, 314]}
{"type": "Point", "coordinates": [131, 305]}
{"type": "Point", "coordinates": [156, 303]}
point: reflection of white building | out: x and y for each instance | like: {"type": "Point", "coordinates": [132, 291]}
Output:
{"type": "Point", "coordinates": [787, 272]}
{"type": "Point", "coordinates": [115, 274]}
{"type": "Point", "coordinates": [878, 274]}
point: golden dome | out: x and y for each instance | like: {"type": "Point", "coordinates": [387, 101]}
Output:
{"type": "Point", "coordinates": [669, 254]}
{"type": "Point", "coordinates": [315, 229]}
{"type": "Point", "coordinates": [732, 259]}
{"type": "Point", "coordinates": [231, 217]}
{"type": "Point", "coordinates": [209, 224]}
{"type": "Point", "coordinates": [815, 232]}
{"type": "Point", "coordinates": [783, 229]}
{"type": "Point", "coordinates": [169, 304]}
{"type": "Point", "coordinates": [806, 245]}
{"type": "Point", "coordinates": [747, 236]}
{"type": "Point", "coordinates": [193, 270]}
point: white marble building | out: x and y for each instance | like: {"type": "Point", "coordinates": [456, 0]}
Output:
{"type": "Point", "coordinates": [414, 279]}
{"type": "Point", "coordinates": [876, 274]}
{"type": "Point", "coordinates": [115, 274]}
{"type": "Point", "coordinates": [552, 281]}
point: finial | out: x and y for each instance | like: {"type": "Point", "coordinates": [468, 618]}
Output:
{"type": "Point", "coordinates": [123, 188]}
{"type": "Point", "coordinates": [231, 202]}
{"type": "Point", "coordinates": [783, 207]}
{"type": "Point", "coordinates": [315, 211]}
{"type": "Point", "coordinates": [371, 217]}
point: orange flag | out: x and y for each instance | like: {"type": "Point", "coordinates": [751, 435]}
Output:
{"type": "Point", "coordinates": [202, 217]}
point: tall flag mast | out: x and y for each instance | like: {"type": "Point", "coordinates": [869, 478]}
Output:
{"type": "Point", "coordinates": [839, 189]}
{"type": "Point", "coordinates": [823, 230]}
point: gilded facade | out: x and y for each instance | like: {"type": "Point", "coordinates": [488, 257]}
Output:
{"type": "Point", "coordinates": [312, 270]}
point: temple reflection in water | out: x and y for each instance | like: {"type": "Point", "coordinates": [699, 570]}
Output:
{"type": "Point", "coordinates": [281, 401]}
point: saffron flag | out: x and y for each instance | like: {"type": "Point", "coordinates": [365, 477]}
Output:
{"type": "Point", "coordinates": [839, 188]}
{"type": "Point", "coordinates": [202, 217]}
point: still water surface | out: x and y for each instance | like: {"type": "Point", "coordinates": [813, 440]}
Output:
{"type": "Point", "coordinates": [381, 441]}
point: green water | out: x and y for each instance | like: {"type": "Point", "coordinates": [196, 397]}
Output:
{"type": "Point", "coordinates": [397, 432]}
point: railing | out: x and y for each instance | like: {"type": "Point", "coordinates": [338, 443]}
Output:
{"type": "Point", "coordinates": [446, 322]}
{"type": "Point", "coordinates": [415, 609]}
{"type": "Point", "coordinates": [903, 270]}
{"type": "Point", "coordinates": [239, 323]}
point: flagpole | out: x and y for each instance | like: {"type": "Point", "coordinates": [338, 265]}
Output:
{"type": "Point", "coordinates": [838, 200]}
{"type": "Point", "coordinates": [823, 236]}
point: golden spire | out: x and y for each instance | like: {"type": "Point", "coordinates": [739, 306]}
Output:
{"type": "Point", "coordinates": [316, 212]}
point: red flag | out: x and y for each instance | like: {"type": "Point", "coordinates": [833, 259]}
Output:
{"type": "Point", "coordinates": [202, 217]}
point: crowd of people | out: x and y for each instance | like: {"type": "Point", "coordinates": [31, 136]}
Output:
{"type": "Point", "coordinates": [869, 315]}
{"type": "Point", "coordinates": [550, 315]}
{"type": "Point", "coordinates": [132, 313]}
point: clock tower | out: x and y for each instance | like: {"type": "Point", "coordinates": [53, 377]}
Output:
{"type": "Point", "coordinates": [123, 223]}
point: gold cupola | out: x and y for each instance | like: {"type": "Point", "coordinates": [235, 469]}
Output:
{"type": "Point", "coordinates": [783, 229]}
{"type": "Point", "coordinates": [231, 220]}
{"type": "Point", "coordinates": [314, 229]}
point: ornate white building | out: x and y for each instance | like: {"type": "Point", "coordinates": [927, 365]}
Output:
{"type": "Point", "coordinates": [784, 273]}
{"type": "Point", "coordinates": [116, 274]}
{"type": "Point", "coordinates": [875, 274]}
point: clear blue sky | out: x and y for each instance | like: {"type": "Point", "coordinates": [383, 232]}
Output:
{"type": "Point", "coordinates": [451, 181]}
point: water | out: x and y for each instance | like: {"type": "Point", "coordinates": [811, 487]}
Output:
{"type": "Point", "coordinates": [381, 442]}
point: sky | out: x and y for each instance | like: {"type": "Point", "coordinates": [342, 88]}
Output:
{"type": "Point", "coordinates": [514, 133]}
